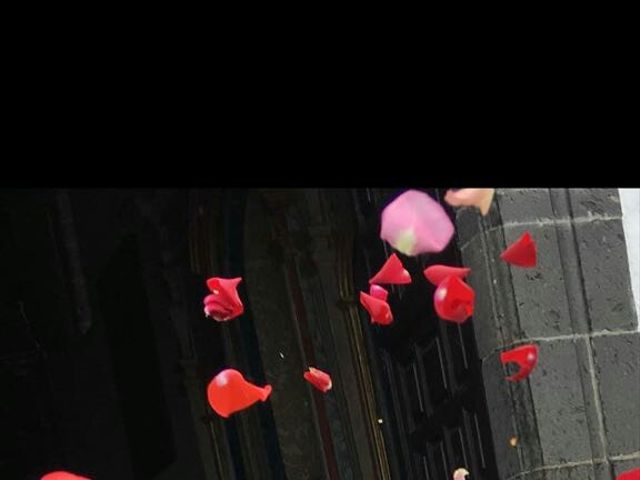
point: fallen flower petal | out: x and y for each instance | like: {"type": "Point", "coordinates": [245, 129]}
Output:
{"type": "Point", "coordinates": [526, 356]}
{"type": "Point", "coordinates": [522, 252]}
{"type": "Point", "coordinates": [392, 272]}
{"type": "Point", "coordinates": [471, 197]}
{"type": "Point", "coordinates": [229, 392]}
{"type": "Point", "coordinates": [415, 223]}
{"type": "Point", "coordinates": [437, 273]}
{"type": "Point", "coordinates": [319, 379]}
{"type": "Point", "coordinates": [453, 300]}
{"type": "Point", "coordinates": [224, 302]}
{"type": "Point", "coordinates": [61, 475]}
{"type": "Point", "coordinates": [379, 310]}
{"type": "Point", "coordinates": [378, 292]}
{"type": "Point", "coordinates": [460, 474]}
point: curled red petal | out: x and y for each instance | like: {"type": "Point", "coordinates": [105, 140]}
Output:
{"type": "Point", "coordinates": [224, 302]}
{"type": "Point", "coordinates": [229, 392]}
{"type": "Point", "coordinates": [392, 272]}
{"type": "Point", "coordinates": [378, 292]}
{"type": "Point", "coordinates": [221, 312]}
{"type": "Point", "coordinates": [522, 252]}
{"type": "Point", "coordinates": [630, 475]}
{"type": "Point", "coordinates": [453, 300]}
{"type": "Point", "coordinates": [379, 310]}
{"type": "Point", "coordinates": [319, 379]}
{"type": "Point", "coordinates": [437, 273]}
{"type": "Point", "coordinates": [526, 356]}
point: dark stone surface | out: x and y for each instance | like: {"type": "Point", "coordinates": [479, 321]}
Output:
{"type": "Point", "coordinates": [540, 292]}
{"type": "Point", "coordinates": [575, 472]}
{"type": "Point", "coordinates": [468, 225]}
{"type": "Point", "coordinates": [291, 399]}
{"type": "Point", "coordinates": [617, 362]}
{"type": "Point", "coordinates": [496, 316]}
{"type": "Point", "coordinates": [580, 285]}
{"type": "Point", "coordinates": [530, 205]}
{"type": "Point", "coordinates": [605, 269]}
{"type": "Point", "coordinates": [514, 303]}
{"type": "Point", "coordinates": [485, 318]}
{"type": "Point", "coordinates": [587, 202]}
{"type": "Point", "coordinates": [500, 406]}
{"type": "Point", "coordinates": [603, 470]}
{"type": "Point", "coordinates": [559, 404]}
{"type": "Point", "coordinates": [592, 407]}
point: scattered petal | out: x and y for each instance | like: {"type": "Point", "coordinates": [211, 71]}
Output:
{"type": "Point", "coordinates": [319, 379]}
{"type": "Point", "coordinates": [453, 300]}
{"type": "Point", "coordinates": [392, 272]}
{"type": "Point", "coordinates": [522, 252]}
{"type": "Point", "coordinates": [460, 474]}
{"type": "Point", "coordinates": [229, 392]}
{"type": "Point", "coordinates": [224, 303]}
{"type": "Point", "coordinates": [61, 475]}
{"type": "Point", "coordinates": [437, 273]}
{"type": "Point", "coordinates": [415, 223]}
{"type": "Point", "coordinates": [379, 310]}
{"type": "Point", "coordinates": [378, 292]}
{"type": "Point", "coordinates": [526, 356]}
{"type": "Point", "coordinates": [471, 197]}
{"type": "Point", "coordinates": [513, 441]}
{"type": "Point", "coordinates": [630, 475]}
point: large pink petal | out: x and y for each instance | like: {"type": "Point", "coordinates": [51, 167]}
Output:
{"type": "Point", "coordinates": [414, 223]}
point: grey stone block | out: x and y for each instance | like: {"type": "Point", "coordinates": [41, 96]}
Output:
{"type": "Point", "coordinates": [531, 454]}
{"type": "Point", "coordinates": [591, 403]}
{"type": "Point", "coordinates": [557, 395]}
{"type": "Point", "coordinates": [495, 318]}
{"type": "Point", "coordinates": [581, 284]}
{"type": "Point", "coordinates": [603, 470]}
{"type": "Point", "coordinates": [605, 269]}
{"type": "Point", "coordinates": [578, 472]}
{"type": "Point", "coordinates": [514, 303]}
{"type": "Point", "coordinates": [468, 225]}
{"type": "Point", "coordinates": [540, 292]}
{"type": "Point", "coordinates": [525, 205]}
{"type": "Point", "coordinates": [564, 472]}
{"type": "Point", "coordinates": [486, 330]}
{"type": "Point", "coordinates": [617, 364]}
{"type": "Point", "coordinates": [587, 202]}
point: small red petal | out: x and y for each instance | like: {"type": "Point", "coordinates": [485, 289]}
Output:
{"type": "Point", "coordinates": [379, 310]}
{"type": "Point", "coordinates": [392, 272]}
{"type": "Point", "coordinates": [319, 379]}
{"type": "Point", "coordinates": [224, 303]}
{"type": "Point", "coordinates": [378, 292]}
{"type": "Point", "coordinates": [453, 300]}
{"type": "Point", "coordinates": [229, 392]}
{"type": "Point", "coordinates": [437, 273]}
{"type": "Point", "coordinates": [630, 475]}
{"type": "Point", "coordinates": [522, 252]}
{"type": "Point", "coordinates": [526, 356]}
{"type": "Point", "coordinates": [60, 475]}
